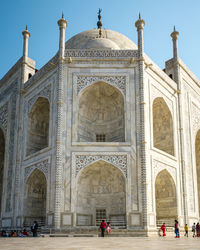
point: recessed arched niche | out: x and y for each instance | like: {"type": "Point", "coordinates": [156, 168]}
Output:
{"type": "Point", "coordinates": [163, 137]}
{"type": "Point", "coordinates": [35, 198]}
{"type": "Point", "coordinates": [101, 114]}
{"type": "Point", "coordinates": [166, 198]}
{"type": "Point", "coordinates": [38, 126]}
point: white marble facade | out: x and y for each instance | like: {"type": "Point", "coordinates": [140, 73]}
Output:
{"type": "Point", "coordinates": [99, 132]}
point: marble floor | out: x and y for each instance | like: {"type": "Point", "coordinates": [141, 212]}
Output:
{"type": "Point", "coordinates": [117, 243]}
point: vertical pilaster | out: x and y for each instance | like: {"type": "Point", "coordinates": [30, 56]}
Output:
{"type": "Point", "coordinates": [140, 26]}
{"type": "Point", "coordinates": [177, 79]}
{"type": "Point", "coordinates": [59, 121]}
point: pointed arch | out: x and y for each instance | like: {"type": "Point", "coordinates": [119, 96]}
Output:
{"type": "Point", "coordinates": [166, 198]}
{"type": "Point", "coordinates": [101, 114]}
{"type": "Point", "coordinates": [197, 154]}
{"type": "Point", "coordinates": [101, 185]}
{"type": "Point", "coordinates": [163, 135]}
{"type": "Point", "coordinates": [2, 167]}
{"type": "Point", "coordinates": [38, 126]}
{"type": "Point", "coordinates": [35, 198]}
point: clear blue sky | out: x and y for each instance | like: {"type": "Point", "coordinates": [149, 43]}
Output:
{"type": "Point", "coordinates": [119, 15]}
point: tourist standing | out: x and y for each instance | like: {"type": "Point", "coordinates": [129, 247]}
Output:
{"type": "Point", "coordinates": [103, 227]}
{"type": "Point", "coordinates": [163, 228]}
{"type": "Point", "coordinates": [193, 229]}
{"type": "Point", "coordinates": [197, 229]}
{"type": "Point", "coordinates": [186, 230]}
{"type": "Point", "coordinates": [34, 228]}
{"type": "Point", "coordinates": [176, 229]}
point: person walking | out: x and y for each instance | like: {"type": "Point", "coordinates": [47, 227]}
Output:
{"type": "Point", "coordinates": [163, 228]}
{"type": "Point", "coordinates": [34, 228]}
{"type": "Point", "coordinates": [186, 230]}
{"type": "Point", "coordinates": [193, 229]}
{"type": "Point", "coordinates": [176, 229]}
{"type": "Point", "coordinates": [103, 227]}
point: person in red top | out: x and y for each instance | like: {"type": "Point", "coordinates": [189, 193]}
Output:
{"type": "Point", "coordinates": [25, 233]}
{"type": "Point", "coordinates": [103, 227]}
{"type": "Point", "coordinates": [163, 228]}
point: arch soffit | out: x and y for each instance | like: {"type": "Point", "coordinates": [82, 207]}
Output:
{"type": "Point", "coordinates": [158, 94]}
{"type": "Point", "coordinates": [32, 172]}
{"type": "Point", "coordinates": [120, 164]}
{"type": "Point", "coordinates": [41, 166]}
{"type": "Point", "coordinates": [35, 100]}
{"type": "Point", "coordinates": [164, 102]}
{"type": "Point", "coordinates": [159, 167]}
{"type": "Point", "coordinates": [44, 93]}
{"type": "Point", "coordinates": [118, 82]}
{"type": "Point", "coordinates": [168, 174]}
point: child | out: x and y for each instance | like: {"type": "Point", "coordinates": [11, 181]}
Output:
{"type": "Point", "coordinates": [163, 228]}
{"type": "Point", "coordinates": [186, 230]}
{"type": "Point", "coordinates": [108, 229]}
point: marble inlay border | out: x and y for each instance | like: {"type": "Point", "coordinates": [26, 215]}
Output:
{"type": "Point", "coordinates": [118, 81]}
{"type": "Point", "coordinates": [43, 166]}
{"type": "Point", "coordinates": [4, 116]}
{"type": "Point", "coordinates": [101, 53]}
{"type": "Point", "coordinates": [120, 161]}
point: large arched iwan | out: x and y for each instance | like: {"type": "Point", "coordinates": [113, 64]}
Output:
{"type": "Point", "coordinates": [101, 114]}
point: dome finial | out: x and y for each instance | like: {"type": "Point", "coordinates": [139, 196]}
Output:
{"type": "Point", "coordinates": [63, 15]}
{"type": "Point", "coordinates": [99, 23]}
{"type": "Point", "coordinates": [27, 27]}
{"type": "Point", "coordinates": [139, 16]}
{"type": "Point", "coordinates": [174, 28]}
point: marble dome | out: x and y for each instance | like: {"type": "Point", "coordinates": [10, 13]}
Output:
{"type": "Point", "coordinates": [110, 39]}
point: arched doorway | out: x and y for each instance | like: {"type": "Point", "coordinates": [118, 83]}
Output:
{"type": "Point", "coordinates": [35, 198]}
{"type": "Point", "coordinates": [101, 114]}
{"type": "Point", "coordinates": [166, 199]}
{"type": "Point", "coordinates": [2, 159]}
{"type": "Point", "coordinates": [197, 154]}
{"type": "Point", "coordinates": [163, 137]}
{"type": "Point", "coordinates": [101, 194]}
{"type": "Point", "coordinates": [38, 126]}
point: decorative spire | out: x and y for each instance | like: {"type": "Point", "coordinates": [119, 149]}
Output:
{"type": "Point", "coordinates": [99, 23]}
{"type": "Point", "coordinates": [62, 15]}
{"type": "Point", "coordinates": [139, 24]}
{"type": "Point", "coordinates": [27, 27]}
{"type": "Point", "coordinates": [174, 35]}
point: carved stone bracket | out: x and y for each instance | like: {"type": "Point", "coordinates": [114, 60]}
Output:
{"type": "Point", "coordinates": [46, 92]}
{"type": "Point", "coordinates": [43, 166]}
{"type": "Point", "coordinates": [159, 166]}
{"type": "Point", "coordinates": [116, 81]}
{"type": "Point", "coordinates": [4, 116]}
{"type": "Point", "coordinates": [120, 161]}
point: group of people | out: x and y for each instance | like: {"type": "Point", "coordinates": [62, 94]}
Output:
{"type": "Point", "coordinates": [14, 233]}
{"type": "Point", "coordinates": [105, 227]}
{"type": "Point", "coordinates": [24, 233]}
{"type": "Point", "coordinates": [195, 229]}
